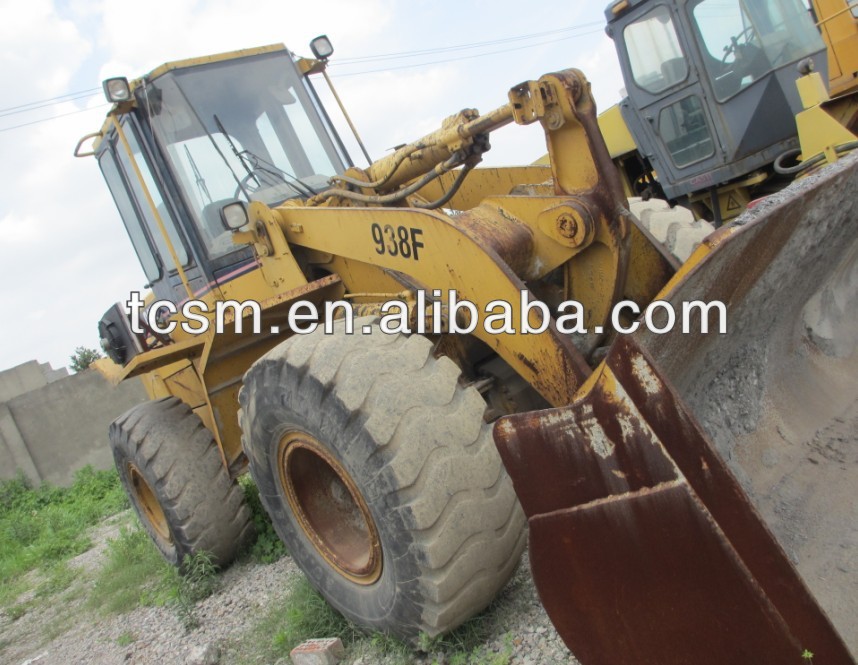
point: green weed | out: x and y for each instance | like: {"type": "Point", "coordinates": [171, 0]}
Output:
{"type": "Point", "coordinates": [134, 573]}
{"type": "Point", "coordinates": [480, 655]}
{"type": "Point", "coordinates": [126, 638]}
{"type": "Point", "coordinates": [307, 615]}
{"type": "Point", "coordinates": [41, 527]}
{"type": "Point", "coordinates": [303, 614]}
{"type": "Point", "coordinates": [465, 645]}
{"type": "Point", "coordinates": [57, 578]}
{"type": "Point", "coordinates": [268, 547]}
{"type": "Point", "coordinates": [196, 580]}
{"type": "Point", "coordinates": [15, 612]}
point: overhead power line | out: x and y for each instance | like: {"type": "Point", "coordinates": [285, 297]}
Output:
{"type": "Point", "coordinates": [460, 47]}
{"type": "Point", "coordinates": [53, 117]}
{"type": "Point", "coordinates": [59, 99]}
{"type": "Point", "coordinates": [575, 30]}
{"type": "Point", "coordinates": [462, 57]}
{"type": "Point", "coordinates": [25, 109]}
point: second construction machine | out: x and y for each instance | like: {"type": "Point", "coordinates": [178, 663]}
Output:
{"type": "Point", "coordinates": [644, 461]}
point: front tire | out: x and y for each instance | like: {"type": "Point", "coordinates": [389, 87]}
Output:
{"type": "Point", "coordinates": [171, 469]}
{"type": "Point", "coordinates": [381, 478]}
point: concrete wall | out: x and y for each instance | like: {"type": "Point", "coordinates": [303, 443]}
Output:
{"type": "Point", "coordinates": [54, 430]}
{"type": "Point", "coordinates": [29, 376]}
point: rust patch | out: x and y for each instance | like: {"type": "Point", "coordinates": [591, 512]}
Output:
{"type": "Point", "coordinates": [496, 229]}
{"type": "Point", "coordinates": [646, 579]}
{"type": "Point", "coordinates": [658, 532]}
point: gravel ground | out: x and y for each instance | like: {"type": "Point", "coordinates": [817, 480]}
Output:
{"type": "Point", "coordinates": [64, 633]}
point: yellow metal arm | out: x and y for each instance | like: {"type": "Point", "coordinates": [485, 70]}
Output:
{"type": "Point", "coordinates": [445, 257]}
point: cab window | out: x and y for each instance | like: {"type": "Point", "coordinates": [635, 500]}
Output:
{"type": "Point", "coordinates": [130, 216]}
{"type": "Point", "coordinates": [655, 53]}
{"type": "Point", "coordinates": [685, 132]}
{"type": "Point", "coordinates": [143, 205]}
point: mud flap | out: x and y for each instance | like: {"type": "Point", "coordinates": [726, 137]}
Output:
{"type": "Point", "coordinates": [644, 542]}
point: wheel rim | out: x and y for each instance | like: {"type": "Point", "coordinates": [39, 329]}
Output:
{"type": "Point", "coordinates": [146, 500]}
{"type": "Point", "coordinates": [329, 508]}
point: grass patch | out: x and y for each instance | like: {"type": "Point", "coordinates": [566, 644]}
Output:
{"type": "Point", "coordinates": [268, 547]}
{"type": "Point", "coordinates": [466, 644]}
{"type": "Point", "coordinates": [306, 615]}
{"type": "Point", "coordinates": [136, 574]}
{"type": "Point", "coordinates": [42, 527]}
{"type": "Point", "coordinates": [478, 655]}
{"type": "Point", "coordinates": [58, 577]}
{"type": "Point", "coordinates": [15, 612]}
{"type": "Point", "coordinates": [303, 614]}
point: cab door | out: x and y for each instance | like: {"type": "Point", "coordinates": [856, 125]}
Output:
{"type": "Point", "coordinates": [118, 168]}
{"type": "Point", "coordinates": [666, 108]}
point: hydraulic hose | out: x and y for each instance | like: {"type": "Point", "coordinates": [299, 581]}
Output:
{"type": "Point", "coordinates": [808, 163]}
{"type": "Point", "coordinates": [398, 195]}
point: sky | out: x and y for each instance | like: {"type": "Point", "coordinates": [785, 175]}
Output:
{"type": "Point", "coordinates": [64, 255]}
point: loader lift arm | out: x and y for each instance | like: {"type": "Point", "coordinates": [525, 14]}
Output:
{"type": "Point", "coordinates": [584, 224]}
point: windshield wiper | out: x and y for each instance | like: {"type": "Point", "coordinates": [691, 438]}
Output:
{"type": "Point", "coordinates": [235, 152]}
{"type": "Point", "coordinates": [245, 156]}
{"type": "Point", "coordinates": [268, 166]}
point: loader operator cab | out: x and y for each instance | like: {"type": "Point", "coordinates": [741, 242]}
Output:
{"type": "Point", "coordinates": [711, 83]}
{"type": "Point", "coordinates": [205, 133]}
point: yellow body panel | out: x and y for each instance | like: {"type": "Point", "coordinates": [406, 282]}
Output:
{"type": "Point", "coordinates": [839, 27]}
{"type": "Point", "coordinates": [483, 183]}
{"type": "Point", "coordinates": [820, 132]}
{"type": "Point", "coordinates": [453, 259]}
{"type": "Point", "coordinates": [617, 135]}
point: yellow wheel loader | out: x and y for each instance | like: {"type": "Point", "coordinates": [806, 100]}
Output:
{"type": "Point", "coordinates": [709, 118]}
{"type": "Point", "coordinates": [415, 359]}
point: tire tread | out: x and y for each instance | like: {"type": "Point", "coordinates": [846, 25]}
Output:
{"type": "Point", "coordinates": [451, 490]}
{"type": "Point", "coordinates": [180, 460]}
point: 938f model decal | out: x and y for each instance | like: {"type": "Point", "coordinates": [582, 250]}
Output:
{"type": "Point", "coordinates": [397, 241]}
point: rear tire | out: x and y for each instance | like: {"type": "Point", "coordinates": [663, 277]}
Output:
{"type": "Point", "coordinates": [171, 469]}
{"type": "Point", "coordinates": [381, 478]}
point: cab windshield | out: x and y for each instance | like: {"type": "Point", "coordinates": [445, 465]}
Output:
{"type": "Point", "coordinates": [243, 129]}
{"type": "Point", "coordinates": [744, 40]}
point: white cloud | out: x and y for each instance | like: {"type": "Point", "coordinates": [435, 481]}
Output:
{"type": "Point", "coordinates": [603, 70]}
{"type": "Point", "coordinates": [19, 232]}
{"type": "Point", "coordinates": [31, 36]}
{"type": "Point", "coordinates": [141, 40]}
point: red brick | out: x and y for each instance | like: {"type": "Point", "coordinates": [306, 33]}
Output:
{"type": "Point", "coordinates": [326, 651]}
